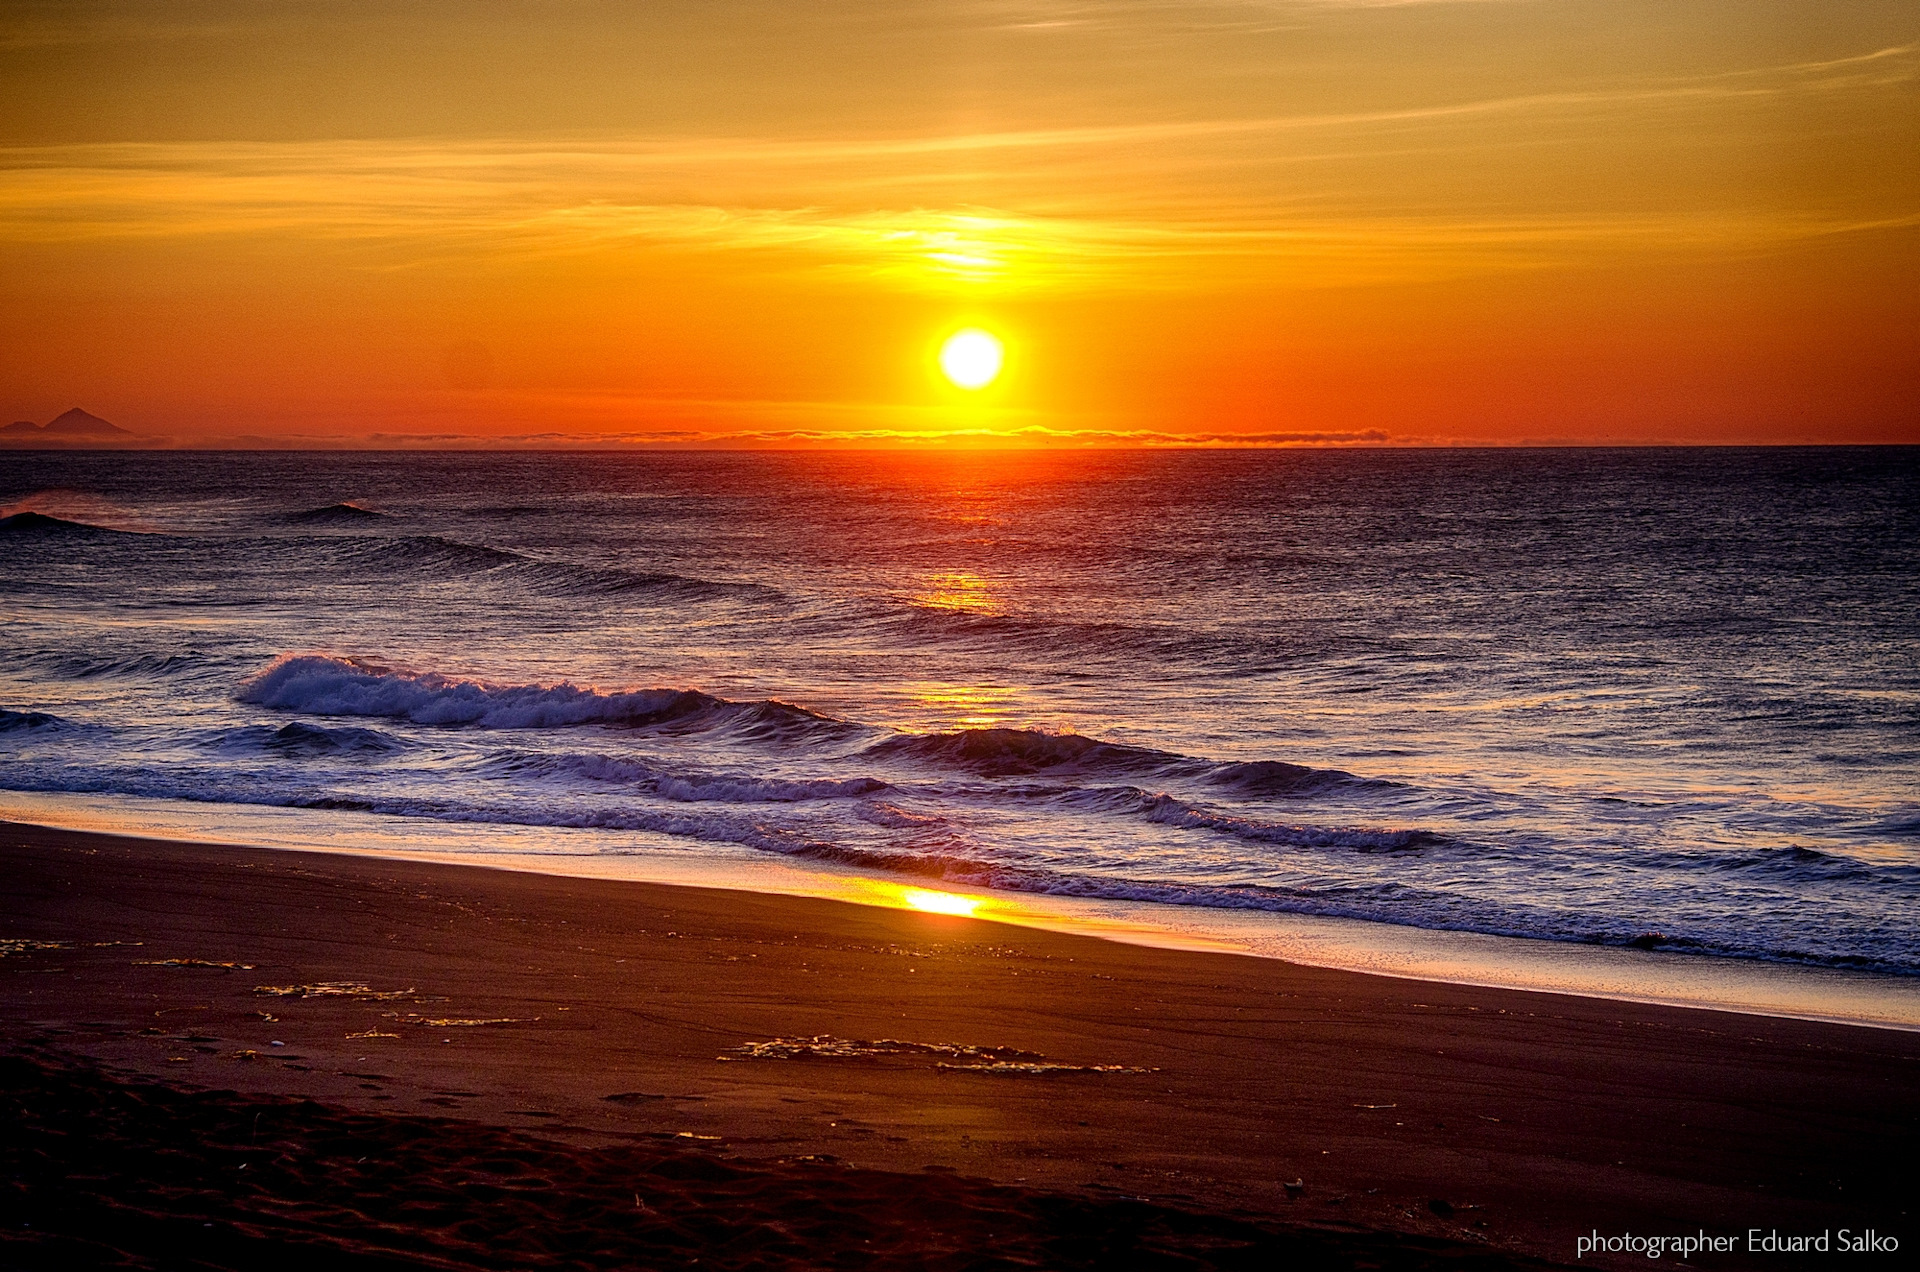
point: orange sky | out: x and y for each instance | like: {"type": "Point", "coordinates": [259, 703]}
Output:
{"type": "Point", "coordinates": [736, 222]}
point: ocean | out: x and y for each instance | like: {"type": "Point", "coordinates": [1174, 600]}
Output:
{"type": "Point", "coordinates": [1664, 699]}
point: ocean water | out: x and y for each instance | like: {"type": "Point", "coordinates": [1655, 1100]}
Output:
{"type": "Point", "coordinates": [1656, 698]}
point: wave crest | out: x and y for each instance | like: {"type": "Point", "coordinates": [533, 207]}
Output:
{"type": "Point", "coordinates": [323, 685]}
{"type": "Point", "coordinates": [1271, 779]}
{"type": "Point", "coordinates": [687, 786]}
{"type": "Point", "coordinates": [1030, 752]}
{"type": "Point", "coordinates": [1020, 752]}
{"type": "Point", "coordinates": [436, 556]}
{"type": "Point", "coordinates": [40, 523]}
{"type": "Point", "coordinates": [338, 514]}
{"type": "Point", "coordinates": [11, 720]}
{"type": "Point", "coordinates": [1165, 810]}
{"type": "Point", "coordinates": [298, 739]}
{"type": "Point", "coordinates": [318, 684]}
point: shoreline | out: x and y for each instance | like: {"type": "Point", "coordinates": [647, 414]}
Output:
{"type": "Point", "coordinates": [1708, 982]}
{"type": "Point", "coordinates": [774, 1028]}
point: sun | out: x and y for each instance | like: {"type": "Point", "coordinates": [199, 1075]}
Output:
{"type": "Point", "coordinates": [971, 358]}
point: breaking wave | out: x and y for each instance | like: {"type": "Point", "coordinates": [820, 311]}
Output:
{"type": "Point", "coordinates": [1021, 809]}
{"type": "Point", "coordinates": [318, 684]}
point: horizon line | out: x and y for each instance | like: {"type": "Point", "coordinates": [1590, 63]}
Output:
{"type": "Point", "coordinates": [948, 447]}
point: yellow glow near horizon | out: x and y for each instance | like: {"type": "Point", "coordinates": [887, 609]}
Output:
{"type": "Point", "coordinates": [940, 902]}
{"type": "Point", "coordinates": [971, 358]}
{"type": "Point", "coordinates": [1359, 223]}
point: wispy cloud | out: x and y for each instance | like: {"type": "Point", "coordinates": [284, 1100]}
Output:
{"type": "Point", "coordinates": [1180, 203]}
{"type": "Point", "coordinates": [810, 438]}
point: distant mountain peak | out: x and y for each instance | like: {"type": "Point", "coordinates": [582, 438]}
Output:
{"type": "Point", "coordinates": [76, 422]}
{"type": "Point", "coordinates": [69, 426]}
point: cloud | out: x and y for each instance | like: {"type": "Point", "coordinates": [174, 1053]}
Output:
{"type": "Point", "coordinates": [1327, 196]}
{"type": "Point", "coordinates": [444, 212]}
{"type": "Point", "coordinates": [777, 438]}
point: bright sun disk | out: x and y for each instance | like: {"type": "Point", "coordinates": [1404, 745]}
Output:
{"type": "Point", "coordinates": [971, 358]}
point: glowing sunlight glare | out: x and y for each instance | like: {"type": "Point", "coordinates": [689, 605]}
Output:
{"type": "Point", "coordinates": [971, 358]}
{"type": "Point", "coordinates": [940, 902]}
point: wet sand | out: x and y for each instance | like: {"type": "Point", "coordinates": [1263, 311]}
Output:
{"type": "Point", "coordinates": [850, 1079]}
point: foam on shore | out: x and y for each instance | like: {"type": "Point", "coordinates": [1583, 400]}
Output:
{"type": "Point", "coordinates": [1833, 995]}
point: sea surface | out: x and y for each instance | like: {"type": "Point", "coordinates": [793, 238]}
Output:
{"type": "Point", "coordinates": [1656, 698]}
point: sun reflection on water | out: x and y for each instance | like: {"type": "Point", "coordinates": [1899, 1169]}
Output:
{"type": "Point", "coordinates": [957, 590]}
{"type": "Point", "coordinates": [969, 706]}
{"type": "Point", "coordinates": [940, 902]}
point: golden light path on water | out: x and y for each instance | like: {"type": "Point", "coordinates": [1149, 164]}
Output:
{"type": "Point", "coordinates": [1631, 975]}
{"type": "Point", "coordinates": [965, 706]}
{"type": "Point", "coordinates": [940, 902]}
{"type": "Point", "coordinates": [957, 590]}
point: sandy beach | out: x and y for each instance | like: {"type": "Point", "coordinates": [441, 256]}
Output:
{"type": "Point", "coordinates": [921, 1061]}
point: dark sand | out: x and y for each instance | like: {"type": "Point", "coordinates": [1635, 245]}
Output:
{"type": "Point", "coordinates": [596, 1044]}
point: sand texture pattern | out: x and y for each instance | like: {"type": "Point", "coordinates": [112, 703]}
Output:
{"type": "Point", "coordinates": [112, 1173]}
{"type": "Point", "coordinates": [542, 1071]}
